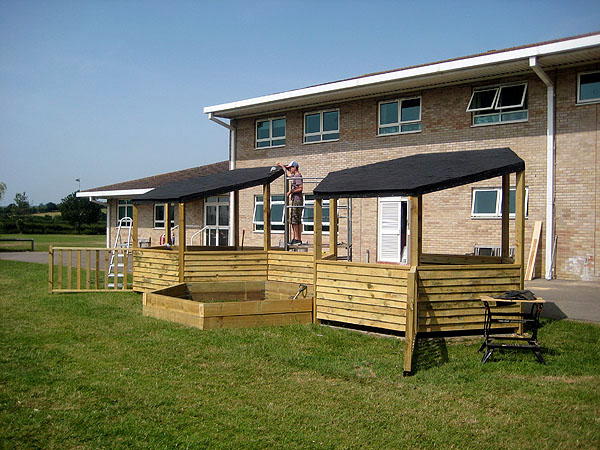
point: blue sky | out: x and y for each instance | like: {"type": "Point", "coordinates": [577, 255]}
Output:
{"type": "Point", "coordinates": [108, 91]}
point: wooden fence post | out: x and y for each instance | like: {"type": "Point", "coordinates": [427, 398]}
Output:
{"type": "Point", "coordinates": [505, 217]}
{"type": "Point", "coordinates": [412, 319]}
{"type": "Point", "coordinates": [50, 268]}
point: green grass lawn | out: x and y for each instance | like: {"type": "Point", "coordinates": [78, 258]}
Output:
{"type": "Point", "coordinates": [43, 241]}
{"type": "Point", "coordinates": [89, 371]}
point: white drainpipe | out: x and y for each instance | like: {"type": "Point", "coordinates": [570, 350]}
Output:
{"type": "Point", "coordinates": [550, 138]}
{"type": "Point", "coordinates": [232, 156]}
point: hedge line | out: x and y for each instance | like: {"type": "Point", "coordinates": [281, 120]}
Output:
{"type": "Point", "coordinates": [47, 225]}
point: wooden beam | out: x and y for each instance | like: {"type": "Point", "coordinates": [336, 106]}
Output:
{"type": "Point", "coordinates": [317, 249]}
{"type": "Point", "coordinates": [520, 226]}
{"type": "Point", "coordinates": [505, 215]}
{"type": "Point", "coordinates": [168, 223]}
{"type": "Point", "coordinates": [318, 229]}
{"type": "Point", "coordinates": [416, 230]}
{"type": "Point", "coordinates": [50, 269]}
{"type": "Point", "coordinates": [134, 232]}
{"type": "Point", "coordinates": [333, 228]}
{"type": "Point", "coordinates": [181, 241]}
{"type": "Point", "coordinates": [236, 219]}
{"type": "Point", "coordinates": [267, 216]}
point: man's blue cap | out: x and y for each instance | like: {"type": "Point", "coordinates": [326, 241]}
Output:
{"type": "Point", "coordinates": [293, 164]}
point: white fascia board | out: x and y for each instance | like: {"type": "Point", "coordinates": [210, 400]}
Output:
{"type": "Point", "coordinates": [116, 193]}
{"type": "Point", "coordinates": [428, 70]}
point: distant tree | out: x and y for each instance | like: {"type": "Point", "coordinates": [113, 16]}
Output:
{"type": "Point", "coordinates": [79, 211]}
{"type": "Point", "coordinates": [21, 209]}
{"type": "Point", "coordinates": [2, 189]}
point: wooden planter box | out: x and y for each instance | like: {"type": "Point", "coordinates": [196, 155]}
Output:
{"type": "Point", "coordinates": [230, 304]}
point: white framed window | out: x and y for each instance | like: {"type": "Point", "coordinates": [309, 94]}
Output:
{"type": "Point", "coordinates": [277, 214]}
{"type": "Point", "coordinates": [124, 209]}
{"type": "Point", "coordinates": [159, 215]}
{"type": "Point", "coordinates": [392, 230]}
{"type": "Point", "coordinates": [216, 220]}
{"type": "Point", "coordinates": [308, 215]}
{"type": "Point", "coordinates": [588, 87]}
{"type": "Point", "coordinates": [499, 104]}
{"type": "Point", "coordinates": [270, 132]}
{"type": "Point", "coordinates": [487, 203]}
{"type": "Point", "coordinates": [322, 126]}
{"type": "Point", "coordinates": [399, 116]}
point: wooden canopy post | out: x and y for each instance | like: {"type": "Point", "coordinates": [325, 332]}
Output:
{"type": "Point", "coordinates": [333, 228]}
{"type": "Point", "coordinates": [505, 217]}
{"type": "Point", "coordinates": [168, 223]}
{"type": "Point", "coordinates": [134, 232]}
{"type": "Point", "coordinates": [267, 215]}
{"type": "Point", "coordinates": [520, 226]}
{"type": "Point", "coordinates": [317, 248]}
{"type": "Point", "coordinates": [416, 229]}
{"type": "Point", "coordinates": [181, 242]}
{"type": "Point", "coordinates": [236, 219]}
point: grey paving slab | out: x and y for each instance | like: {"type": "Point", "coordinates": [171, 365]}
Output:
{"type": "Point", "coordinates": [576, 300]}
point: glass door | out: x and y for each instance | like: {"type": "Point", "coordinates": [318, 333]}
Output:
{"type": "Point", "coordinates": [216, 220]}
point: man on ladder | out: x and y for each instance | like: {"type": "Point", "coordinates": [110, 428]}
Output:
{"type": "Point", "coordinates": [296, 200]}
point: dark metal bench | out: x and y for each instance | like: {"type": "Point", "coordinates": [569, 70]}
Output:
{"type": "Point", "coordinates": [494, 341]}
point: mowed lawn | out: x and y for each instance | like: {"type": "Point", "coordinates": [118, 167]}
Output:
{"type": "Point", "coordinates": [89, 371]}
{"type": "Point", "coordinates": [43, 241]}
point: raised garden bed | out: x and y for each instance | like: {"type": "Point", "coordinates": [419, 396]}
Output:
{"type": "Point", "coordinates": [231, 304]}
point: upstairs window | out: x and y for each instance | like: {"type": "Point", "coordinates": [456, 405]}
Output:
{"type": "Point", "coordinates": [488, 203]}
{"type": "Point", "coordinates": [499, 104]}
{"type": "Point", "coordinates": [270, 133]}
{"type": "Point", "coordinates": [322, 126]}
{"type": "Point", "coordinates": [159, 215]}
{"type": "Point", "coordinates": [400, 116]}
{"type": "Point", "coordinates": [588, 87]}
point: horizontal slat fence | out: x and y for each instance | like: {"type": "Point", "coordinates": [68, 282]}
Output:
{"type": "Point", "coordinates": [291, 267]}
{"type": "Point", "coordinates": [449, 296]}
{"type": "Point", "coordinates": [83, 269]}
{"type": "Point", "coordinates": [371, 295]}
{"type": "Point", "coordinates": [247, 265]}
{"type": "Point", "coordinates": [154, 269]}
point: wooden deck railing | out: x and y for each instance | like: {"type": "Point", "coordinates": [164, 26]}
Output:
{"type": "Point", "coordinates": [84, 269]}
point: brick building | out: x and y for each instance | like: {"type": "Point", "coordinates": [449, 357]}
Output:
{"type": "Point", "coordinates": [541, 100]}
{"type": "Point", "coordinates": [151, 218]}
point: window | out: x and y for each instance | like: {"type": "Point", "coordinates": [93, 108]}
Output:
{"type": "Point", "coordinates": [216, 220]}
{"type": "Point", "coordinates": [400, 116]}
{"type": "Point", "coordinates": [308, 215]}
{"type": "Point", "coordinates": [159, 215]}
{"type": "Point", "coordinates": [322, 126]}
{"type": "Point", "coordinates": [270, 133]}
{"type": "Point", "coordinates": [588, 87]}
{"type": "Point", "coordinates": [488, 202]}
{"type": "Point", "coordinates": [125, 209]}
{"type": "Point", "coordinates": [277, 213]}
{"type": "Point", "coordinates": [499, 104]}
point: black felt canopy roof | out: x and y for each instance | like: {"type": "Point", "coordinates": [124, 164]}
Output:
{"type": "Point", "coordinates": [419, 174]}
{"type": "Point", "coordinates": [209, 185]}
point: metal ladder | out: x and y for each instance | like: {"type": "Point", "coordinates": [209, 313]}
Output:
{"type": "Point", "coordinates": [113, 268]}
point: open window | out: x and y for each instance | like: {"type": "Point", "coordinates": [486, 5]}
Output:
{"type": "Point", "coordinates": [499, 104]}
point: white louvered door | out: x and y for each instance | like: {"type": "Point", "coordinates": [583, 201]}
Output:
{"type": "Point", "coordinates": [390, 227]}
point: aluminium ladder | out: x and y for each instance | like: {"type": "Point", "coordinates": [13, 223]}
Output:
{"type": "Point", "coordinates": [116, 259]}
